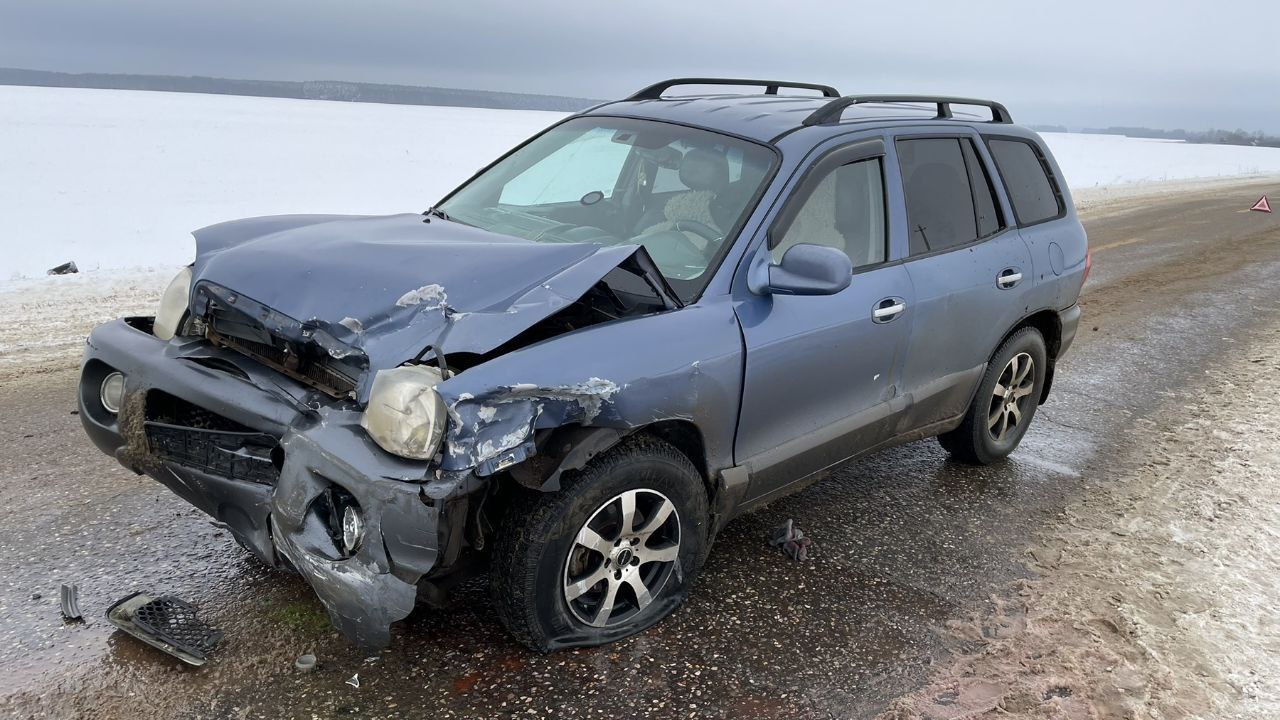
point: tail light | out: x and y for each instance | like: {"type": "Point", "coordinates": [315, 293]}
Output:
{"type": "Point", "coordinates": [1088, 264]}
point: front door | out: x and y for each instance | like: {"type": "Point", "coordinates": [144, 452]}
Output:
{"type": "Point", "coordinates": [821, 380]}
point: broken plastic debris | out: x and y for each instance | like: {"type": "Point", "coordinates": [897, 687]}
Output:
{"type": "Point", "coordinates": [792, 541]}
{"type": "Point", "coordinates": [354, 680]}
{"type": "Point", "coordinates": [71, 602]}
{"type": "Point", "coordinates": [65, 268]}
{"type": "Point", "coordinates": [305, 663]}
{"type": "Point", "coordinates": [167, 624]}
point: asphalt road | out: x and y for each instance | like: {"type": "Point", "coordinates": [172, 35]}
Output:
{"type": "Point", "coordinates": [906, 541]}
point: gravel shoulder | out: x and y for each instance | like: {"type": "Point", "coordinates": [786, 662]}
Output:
{"type": "Point", "coordinates": [1159, 590]}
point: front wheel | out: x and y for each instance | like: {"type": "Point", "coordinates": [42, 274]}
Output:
{"type": "Point", "coordinates": [1005, 402]}
{"type": "Point", "coordinates": [610, 554]}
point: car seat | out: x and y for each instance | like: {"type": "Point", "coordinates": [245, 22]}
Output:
{"type": "Point", "coordinates": [706, 175]}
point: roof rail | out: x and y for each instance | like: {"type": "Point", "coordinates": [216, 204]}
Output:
{"type": "Point", "coordinates": [654, 91]}
{"type": "Point", "coordinates": [832, 111]}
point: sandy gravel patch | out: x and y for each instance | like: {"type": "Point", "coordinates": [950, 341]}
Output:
{"type": "Point", "coordinates": [1159, 591]}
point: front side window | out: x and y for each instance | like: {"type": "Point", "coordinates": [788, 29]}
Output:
{"type": "Point", "coordinates": [678, 191]}
{"type": "Point", "coordinates": [948, 194]}
{"type": "Point", "coordinates": [845, 210]}
{"type": "Point", "coordinates": [1026, 178]}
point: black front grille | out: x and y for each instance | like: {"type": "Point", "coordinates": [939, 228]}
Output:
{"type": "Point", "coordinates": [191, 436]}
{"type": "Point", "coordinates": [174, 621]}
{"type": "Point", "coordinates": [235, 455]}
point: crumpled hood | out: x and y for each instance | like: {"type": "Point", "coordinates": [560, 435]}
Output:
{"type": "Point", "coordinates": [390, 286]}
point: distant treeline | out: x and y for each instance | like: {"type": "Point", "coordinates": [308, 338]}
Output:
{"type": "Point", "coordinates": [1211, 137]}
{"type": "Point", "coordinates": [308, 90]}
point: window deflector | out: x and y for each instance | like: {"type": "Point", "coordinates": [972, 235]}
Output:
{"type": "Point", "coordinates": [843, 155]}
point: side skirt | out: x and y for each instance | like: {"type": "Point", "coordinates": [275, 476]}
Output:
{"type": "Point", "coordinates": [936, 428]}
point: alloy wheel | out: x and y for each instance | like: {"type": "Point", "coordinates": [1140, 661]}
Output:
{"type": "Point", "coordinates": [622, 557]}
{"type": "Point", "coordinates": [1010, 396]}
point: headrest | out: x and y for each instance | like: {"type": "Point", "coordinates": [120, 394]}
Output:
{"type": "Point", "coordinates": [704, 170]}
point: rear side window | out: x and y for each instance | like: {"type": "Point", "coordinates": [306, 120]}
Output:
{"type": "Point", "coordinates": [984, 200]}
{"type": "Point", "coordinates": [1031, 189]}
{"type": "Point", "coordinates": [948, 193]}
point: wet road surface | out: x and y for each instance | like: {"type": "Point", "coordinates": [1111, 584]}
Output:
{"type": "Point", "coordinates": [905, 542]}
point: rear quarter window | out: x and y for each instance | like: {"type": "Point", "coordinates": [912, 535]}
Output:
{"type": "Point", "coordinates": [1031, 188]}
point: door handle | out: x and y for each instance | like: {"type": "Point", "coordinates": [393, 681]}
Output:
{"type": "Point", "coordinates": [1008, 278]}
{"type": "Point", "coordinates": [888, 309]}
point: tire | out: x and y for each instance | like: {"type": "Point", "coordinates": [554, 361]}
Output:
{"type": "Point", "coordinates": [541, 574]}
{"type": "Point", "coordinates": [981, 441]}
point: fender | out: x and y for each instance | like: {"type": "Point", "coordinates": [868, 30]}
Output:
{"type": "Point", "coordinates": [564, 450]}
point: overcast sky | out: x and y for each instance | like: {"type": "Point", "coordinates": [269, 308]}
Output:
{"type": "Point", "coordinates": [1082, 63]}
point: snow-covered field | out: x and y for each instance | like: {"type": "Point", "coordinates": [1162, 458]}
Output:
{"type": "Point", "coordinates": [116, 179]}
{"type": "Point", "coordinates": [1093, 161]}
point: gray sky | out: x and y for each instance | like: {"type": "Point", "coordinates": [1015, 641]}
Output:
{"type": "Point", "coordinates": [1081, 63]}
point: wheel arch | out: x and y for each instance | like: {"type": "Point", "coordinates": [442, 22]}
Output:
{"type": "Point", "coordinates": [1049, 324]}
{"type": "Point", "coordinates": [568, 449]}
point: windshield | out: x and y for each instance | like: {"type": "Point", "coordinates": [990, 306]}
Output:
{"type": "Point", "coordinates": [677, 191]}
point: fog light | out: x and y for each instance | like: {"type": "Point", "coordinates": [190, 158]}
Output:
{"type": "Point", "coordinates": [352, 529]}
{"type": "Point", "coordinates": [112, 392]}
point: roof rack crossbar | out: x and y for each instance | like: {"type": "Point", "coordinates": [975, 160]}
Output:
{"type": "Point", "coordinates": [832, 111]}
{"type": "Point", "coordinates": [654, 91]}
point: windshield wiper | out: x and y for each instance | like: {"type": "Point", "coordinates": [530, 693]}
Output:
{"type": "Point", "coordinates": [437, 212]}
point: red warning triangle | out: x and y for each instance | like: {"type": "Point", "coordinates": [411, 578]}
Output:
{"type": "Point", "coordinates": [1262, 205]}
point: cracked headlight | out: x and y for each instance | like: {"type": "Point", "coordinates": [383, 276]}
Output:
{"type": "Point", "coordinates": [173, 305]}
{"type": "Point", "coordinates": [405, 415]}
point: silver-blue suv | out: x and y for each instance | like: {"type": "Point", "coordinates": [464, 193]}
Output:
{"type": "Point", "coordinates": [578, 366]}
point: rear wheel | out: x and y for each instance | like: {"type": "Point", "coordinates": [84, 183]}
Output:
{"type": "Point", "coordinates": [1005, 402]}
{"type": "Point", "coordinates": [610, 554]}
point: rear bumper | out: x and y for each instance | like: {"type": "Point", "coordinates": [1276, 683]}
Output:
{"type": "Point", "coordinates": [320, 451]}
{"type": "Point", "coordinates": [1070, 319]}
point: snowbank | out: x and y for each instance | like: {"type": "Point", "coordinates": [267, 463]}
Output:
{"type": "Point", "coordinates": [117, 179]}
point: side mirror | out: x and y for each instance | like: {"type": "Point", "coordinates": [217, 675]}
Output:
{"type": "Point", "coordinates": [810, 270]}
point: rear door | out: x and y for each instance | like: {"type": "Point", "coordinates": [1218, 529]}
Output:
{"type": "Point", "coordinates": [967, 267]}
{"type": "Point", "coordinates": [1036, 197]}
{"type": "Point", "coordinates": [821, 371]}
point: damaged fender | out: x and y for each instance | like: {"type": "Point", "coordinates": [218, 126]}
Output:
{"type": "Point", "coordinates": [636, 382]}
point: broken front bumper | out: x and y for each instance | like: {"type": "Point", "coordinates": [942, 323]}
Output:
{"type": "Point", "coordinates": [268, 457]}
